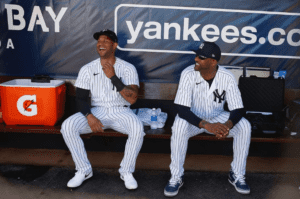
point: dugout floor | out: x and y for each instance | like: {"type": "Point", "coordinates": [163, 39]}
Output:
{"type": "Point", "coordinates": [43, 173]}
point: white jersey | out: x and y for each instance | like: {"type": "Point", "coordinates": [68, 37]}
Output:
{"type": "Point", "coordinates": [103, 92]}
{"type": "Point", "coordinates": [208, 102]}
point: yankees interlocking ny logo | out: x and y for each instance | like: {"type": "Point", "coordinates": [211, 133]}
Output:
{"type": "Point", "coordinates": [220, 97]}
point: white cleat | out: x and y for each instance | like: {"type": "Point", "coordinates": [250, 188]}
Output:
{"type": "Point", "coordinates": [78, 179]}
{"type": "Point", "coordinates": [130, 182]}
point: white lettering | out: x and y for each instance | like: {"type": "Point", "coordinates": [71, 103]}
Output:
{"type": "Point", "coordinates": [167, 27]}
{"type": "Point", "coordinates": [189, 31]}
{"type": "Point", "coordinates": [40, 21]}
{"type": "Point", "coordinates": [271, 36]}
{"type": "Point", "coordinates": [133, 33]}
{"type": "Point", "coordinates": [234, 32]}
{"type": "Point", "coordinates": [205, 32]}
{"type": "Point", "coordinates": [245, 33]}
{"type": "Point", "coordinates": [58, 18]}
{"type": "Point", "coordinates": [11, 17]}
{"type": "Point", "coordinates": [10, 44]}
{"type": "Point", "coordinates": [157, 30]}
{"type": "Point", "coordinates": [290, 37]}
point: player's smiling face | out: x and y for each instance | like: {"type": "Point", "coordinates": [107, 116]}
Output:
{"type": "Point", "coordinates": [202, 64]}
{"type": "Point", "coordinates": [106, 47]}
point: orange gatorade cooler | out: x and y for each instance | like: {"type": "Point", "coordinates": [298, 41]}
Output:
{"type": "Point", "coordinates": [32, 103]}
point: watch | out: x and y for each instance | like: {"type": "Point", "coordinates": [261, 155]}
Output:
{"type": "Point", "coordinates": [87, 114]}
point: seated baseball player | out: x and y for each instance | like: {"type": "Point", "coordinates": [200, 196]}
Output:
{"type": "Point", "coordinates": [113, 85]}
{"type": "Point", "coordinates": [203, 89]}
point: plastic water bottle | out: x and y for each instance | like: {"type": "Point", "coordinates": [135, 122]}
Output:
{"type": "Point", "coordinates": [153, 115]}
{"type": "Point", "coordinates": [153, 119]}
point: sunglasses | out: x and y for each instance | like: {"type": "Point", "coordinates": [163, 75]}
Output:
{"type": "Point", "coordinates": [201, 57]}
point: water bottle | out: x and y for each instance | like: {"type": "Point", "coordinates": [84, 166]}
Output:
{"type": "Point", "coordinates": [153, 115]}
{"type": "Point", "coordinates": [153, 119]}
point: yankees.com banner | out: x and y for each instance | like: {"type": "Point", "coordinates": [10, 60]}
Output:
{"type": "Point", "coordinates": [55, 37]}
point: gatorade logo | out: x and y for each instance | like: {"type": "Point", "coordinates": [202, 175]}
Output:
{"type": "Point", "coordinates": [27, 105]}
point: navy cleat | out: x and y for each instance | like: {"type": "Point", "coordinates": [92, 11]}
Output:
{"type": "Point", "coordinates": [239, 183]}
{"type": "Point", "coordinates": [173, 187]}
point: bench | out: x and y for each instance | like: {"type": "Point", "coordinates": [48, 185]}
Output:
{"type": "Point", "coordinates": [157, 95]}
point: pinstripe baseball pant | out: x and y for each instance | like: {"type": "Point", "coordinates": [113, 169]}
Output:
{"type": "Point", "coordinates": [121, 119]}
{"type": "Point", "coordinates": [182, 131]}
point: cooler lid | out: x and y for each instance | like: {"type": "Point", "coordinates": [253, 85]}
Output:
{"type": "Point", "coordinates": [28, 83]}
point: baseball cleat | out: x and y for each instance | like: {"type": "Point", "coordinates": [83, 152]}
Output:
{"type": "Point", "coordinates": [78, 179]}
{"type": "Point", "coordinates": [239, 183]}
{"type": "Point", "coordinates": [172, 188]}
{"type": "Point", "coordinates": [130, 182]}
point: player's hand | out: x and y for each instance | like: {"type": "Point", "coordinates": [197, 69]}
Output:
{"type": "Point", "coordinates": [220, 130]}
{"type": "Point", "coordinates": [229, 125]}
{"type": "Point", "coordinates": [108, 70]}
{"type": "Point", "coordinates": [95, 124]}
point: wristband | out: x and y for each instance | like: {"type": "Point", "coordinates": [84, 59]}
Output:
{"type": "Point", "coordinates": [117, 83]}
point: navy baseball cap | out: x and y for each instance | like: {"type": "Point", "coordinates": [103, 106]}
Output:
{"type": "Point", "coordinates": [108, 33]}
{"type": "Point", "coordinates": [209, 50]}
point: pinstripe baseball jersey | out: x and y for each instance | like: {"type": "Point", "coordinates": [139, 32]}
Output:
{"type": "Point", "coordinates": [103, 92]}
{"type": "Point", "coordinates": [208, 102]}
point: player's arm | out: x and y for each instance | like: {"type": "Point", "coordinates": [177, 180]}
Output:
{"type": "Point", "coordinates": [185, 113]}
{"type": "Point", "coordinates": [129, 93]}
{"type": "Point", "coordinates": [220, 130]}
{"type": "Point", "coordinates": [216, 128]}
{"type": "Point", "coordinates": [235, 104]}
{"type": "Point", "coordinates": [82, 102]}
{"type": "Point", "coordinates": [234, 117]}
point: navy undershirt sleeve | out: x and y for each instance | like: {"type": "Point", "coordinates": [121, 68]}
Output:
{"type": "Point", "coordinates": [185, 112]}
{"type": "Point", "coordinates": [236, 115]}
{"type": "Point", "coordinates": [82, 101]}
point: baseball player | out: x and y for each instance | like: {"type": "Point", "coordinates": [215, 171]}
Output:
{"type": "Point", "coordinates": [113, 85]}
{"type": "Point", "coordinates": [202, 92]}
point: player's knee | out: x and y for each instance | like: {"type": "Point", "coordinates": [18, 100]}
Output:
{"type": "Point", "coordinates": [179, 128]}
{"type": "Point", "coordinates": [179, 134]}
{"type": "Point", "coordinates": [179, 123]}
{"type": "Point", "coordinates": [246, 126]}
{"type": "Point", "coordinates": [138, 135]}
{"type": "Point", "coordinates": [139, 126]}
{"type": "Point", "coordinates": [67, 127]}
{"type": "Point", "coordinates": [138, 130]}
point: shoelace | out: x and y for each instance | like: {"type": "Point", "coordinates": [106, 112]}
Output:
{"type": "Point", "coordinates": [174, 182]}
{"type": "Point", "coordinates": [241, 179]}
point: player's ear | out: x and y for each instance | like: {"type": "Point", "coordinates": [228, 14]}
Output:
{"type": "Point", "coordinates": [215, 62]}
{"type": "Point", "coordinates": [115, 45]}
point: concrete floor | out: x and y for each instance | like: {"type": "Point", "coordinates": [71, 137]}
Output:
{"type": "Point", "coordinates": [37, 166]}
{"type": "Point", "coordinates": [20, 181]}
{"type": "Point", "coordinates": [42, 173]}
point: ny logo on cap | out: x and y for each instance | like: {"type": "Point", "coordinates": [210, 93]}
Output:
{"type": "Point", "coordinates": [213, 55]}
{"type": "Point", "coordinates": [201, 46]}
